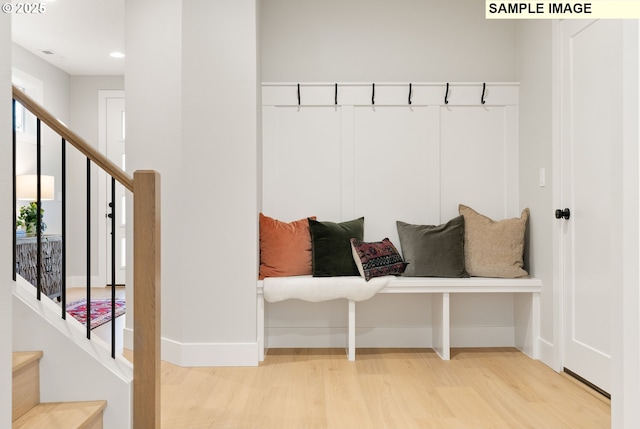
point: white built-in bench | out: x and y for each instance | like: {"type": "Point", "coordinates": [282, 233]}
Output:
{"type": "Point", "coordinates": [526, 313]}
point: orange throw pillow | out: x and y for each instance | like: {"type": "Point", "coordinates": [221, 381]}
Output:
{"type": "Point", "coordinates": [285, 248]}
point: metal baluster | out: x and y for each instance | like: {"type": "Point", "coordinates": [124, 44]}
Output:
{"type": "Point", "coordinates": [15, 203]}
{"type": "Point", "coordinates": [63, 280]}
{"type": "Point", "coordinates": [113, 267]}
{"type": "Point", "coordinates": [39, 208]}
{"type": "Point", "coordinates": [88, 248]}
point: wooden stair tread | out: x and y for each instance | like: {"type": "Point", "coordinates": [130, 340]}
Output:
{"type": "Point", "coordinates": [67, 415]}
{"type": "Point", "coordinates": [22, 359]}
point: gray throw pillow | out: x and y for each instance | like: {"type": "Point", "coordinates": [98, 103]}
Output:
{"type": "Point", "coordinates": [331, 247]}
{"type": "Point", "coordinates": [433, 250]}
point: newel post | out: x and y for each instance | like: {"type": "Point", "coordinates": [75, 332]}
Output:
{"type": "Point", "coordinates": [146, 300]}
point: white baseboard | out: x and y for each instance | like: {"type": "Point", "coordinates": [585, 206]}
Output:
{"type": "Point", "coordinates": [482, 336]}
{"type": "Point", "coordinates": [209, 354]}
{"type": "Point", "coordinates": [127, 338]}
{"type": "Point", "coordinates": [246, 354]}
{"type": "Point", "coordinates": [405, 337]}
{"type": "Point", "coordinates": [313, 337]}
{"type": "Point", "coordinates": [547, 354]}
{"type": "Point", "coordinates": [81, 281]}
{"type": "Point", "coordinates": [202, 354]}
{"type": "Point", "coordinates": [393, 337]}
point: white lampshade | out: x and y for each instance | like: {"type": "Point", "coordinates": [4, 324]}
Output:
{"type": "Point", "coordinates": [27, 187]}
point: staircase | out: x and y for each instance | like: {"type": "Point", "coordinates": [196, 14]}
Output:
{"type": "Point", "coordinates": [139, 400]}
{"type": "Point", "coordinates": [29, 413]}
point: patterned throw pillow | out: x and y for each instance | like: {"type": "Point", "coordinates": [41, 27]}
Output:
{"type": "Point", "coordinates": [377, 259]}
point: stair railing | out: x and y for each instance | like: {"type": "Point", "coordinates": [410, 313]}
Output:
{"type": "Point", "coordinates": [145, 186]}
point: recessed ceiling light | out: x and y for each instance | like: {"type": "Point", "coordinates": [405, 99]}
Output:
{"type": "Point", "coordinates": [50, 53]}
{"type": "Point", "coordinates": [117, 54]}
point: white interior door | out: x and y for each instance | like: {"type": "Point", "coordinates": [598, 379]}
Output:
{"type": "Point", "coordinates": [115, 150]}
{"type": "Point", "coordinates": [591, 159]}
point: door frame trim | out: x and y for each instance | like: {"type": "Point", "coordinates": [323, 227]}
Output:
{"type": "Point", "coordinates": [558, 239]}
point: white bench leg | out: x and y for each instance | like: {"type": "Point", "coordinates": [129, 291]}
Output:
{"type": "Point", "coordinates": [526, 316]}
{"type": "Point", "coordinates": [440, 325]}
{"type": "Point", "coordinates": [260, 326]}
{"type": "Point", "coordinates": [351, 341]}
{"type": "Point", "coordinates": [535, 321]}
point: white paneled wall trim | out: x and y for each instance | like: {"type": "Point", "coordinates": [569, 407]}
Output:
{"type": "Point", "coordinates": [388, 160]}
{"type": "Point", "coordinates": [389, 93]}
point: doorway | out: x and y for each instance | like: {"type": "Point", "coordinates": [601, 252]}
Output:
{"type": "Point", "coordinates": [111, 203]}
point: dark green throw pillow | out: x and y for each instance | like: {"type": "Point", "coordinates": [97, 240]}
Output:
{"type": "Point", "coordinates": [433, 251]}
{"type": "Point", "coordinates": [331, 247]}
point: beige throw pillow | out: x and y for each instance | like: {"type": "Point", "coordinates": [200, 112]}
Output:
{"type": "Point", "coordinates": [494, 248]}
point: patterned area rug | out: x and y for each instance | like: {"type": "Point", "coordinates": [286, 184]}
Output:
{"type": "Point", "coordinates": [100, 311]}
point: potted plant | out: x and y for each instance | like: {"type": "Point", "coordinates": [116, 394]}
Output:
{"type": "Point", "coordinates": [28, 218]}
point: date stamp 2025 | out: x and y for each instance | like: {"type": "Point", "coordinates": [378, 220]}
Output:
{"type": "Point", "coordinates": [24, 8]}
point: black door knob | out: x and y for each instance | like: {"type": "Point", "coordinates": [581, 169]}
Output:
{"type": "Point", "coordinates": [566, 213]}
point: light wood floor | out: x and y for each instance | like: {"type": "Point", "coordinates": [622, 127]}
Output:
{"type": "Point", "coordinates": [383, 388]}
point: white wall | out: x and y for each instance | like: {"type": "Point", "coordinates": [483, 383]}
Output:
{"type": "Point", "coordinates": [378, 40]}
{"type": "Point", "coordinates": [191, 83]}
{"type": "Point", "coordinates": [55, 98]}
{"type": "Point", "coordinates": [626, 308]}
{"type": "Point", "coordinates": [153, 41]}
{"type": "Point", "coordinates": [534, 74]}
{"type": "Point", "coordinates": [219, 146]}
{"type": "Point", "coordinates": [6, 217]}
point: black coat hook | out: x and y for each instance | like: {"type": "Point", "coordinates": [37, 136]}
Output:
{"type": "Point", "coordinates": [409, 93]}
{"type": "Point", "coordinates": [446, 95]}
{"type": "Point", "coordinates": [298, 94]}
{"type": "Point", "coordinates": [336, 95]}
{"type": "Point", "coordinates": [484, 86]}
{"type": "Point", "coordinates": [373, 94]}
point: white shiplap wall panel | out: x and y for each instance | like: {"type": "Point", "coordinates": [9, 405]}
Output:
{"type": "Point", "coordinates": [391, 168]}
{"type": "Point", "coordinates": [301, 163]}
{"type": "Point", "coordinates": [473, 159]}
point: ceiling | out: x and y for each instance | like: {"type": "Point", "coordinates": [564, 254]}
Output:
{"type": "Point", "coordinates": [80, 33]}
